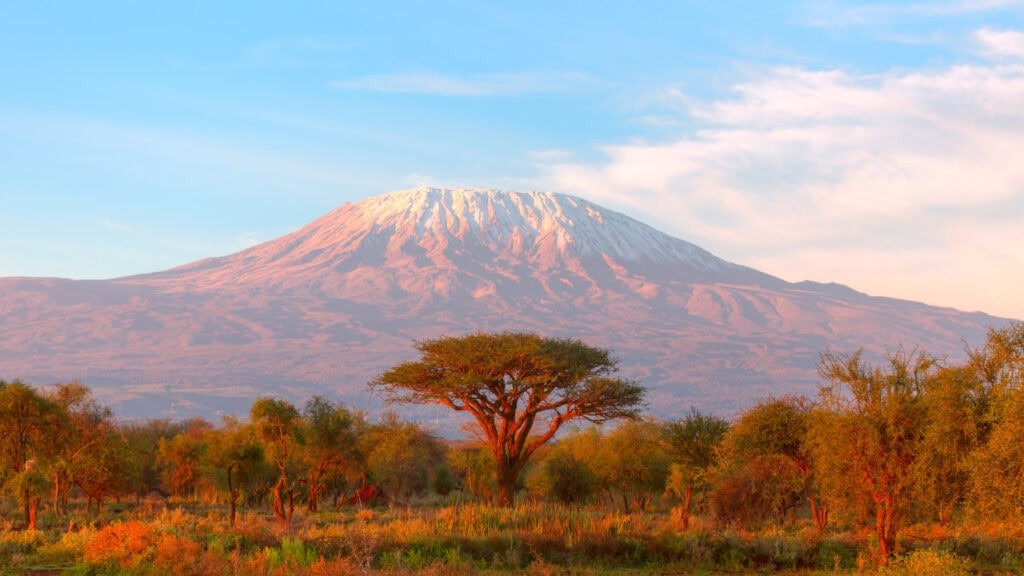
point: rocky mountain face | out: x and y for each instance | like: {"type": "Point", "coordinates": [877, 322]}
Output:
{"type": "Point", "coordinates": [326, 308]}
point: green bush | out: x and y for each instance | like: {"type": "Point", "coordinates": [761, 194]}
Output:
{"type": "Point", "coordinates": [926, 562]}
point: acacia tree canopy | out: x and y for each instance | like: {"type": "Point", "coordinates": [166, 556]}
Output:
{"type": "Point", "coordinates": [510, 383]}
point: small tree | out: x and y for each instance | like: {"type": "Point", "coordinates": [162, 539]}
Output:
{"type": "Point", "coordinates": [329, 445]}
{"type": "Point", "coordinates": [996, 470]}
{"type": "Point", "coordinates": [870, 430]}
{"type": "Point", "coordinates": [233, 455]}
{"type": "Point", "coordinates": [632, 462]}
{"type": "Point", "coordinates": [81, 428]}
{"type": "Point", "coordinates": [510, 383]}
{"type": "Point", "coordinates": [29, 486]}
{"type": "Point", "coordinates": [757, 491]}
{"type": "Point", "coordinates": [693, 442]}
{"type": "Point", "coordinates": [278, 425]}
{"type": "Point", "coordinates": [400, 456]}
{"type": "Point", "coordinates": [180, 458]}
{"type": "Point", "coordinates": [28, 421]}
{"type": "Point", "coordinates": [563, 477]}
{"type": "Point", "coordinates": [779, 427]}
{"type": "Point", "coordinates": [474, 465]}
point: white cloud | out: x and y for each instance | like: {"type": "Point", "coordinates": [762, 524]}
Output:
{"type": "Point", "coordinates": [907, 184]}
{"type": "Point", "coordinates": [1001, 43]}
{"type": "Point", "coordinates": [479, 85]}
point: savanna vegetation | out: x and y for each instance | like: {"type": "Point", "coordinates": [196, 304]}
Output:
{"type": "Point", "coordinates": [911, 465]}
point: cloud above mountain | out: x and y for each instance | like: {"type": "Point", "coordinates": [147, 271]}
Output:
{"type": "Point", "coordinates": [901, 180]}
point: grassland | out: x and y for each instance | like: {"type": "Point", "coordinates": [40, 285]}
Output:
{"type": "Point", "coordinates": [449, 537]}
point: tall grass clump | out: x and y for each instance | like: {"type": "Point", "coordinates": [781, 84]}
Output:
{"type": "Point", "coordinates": [926, 562]}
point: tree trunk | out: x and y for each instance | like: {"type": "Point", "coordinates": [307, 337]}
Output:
{"type": "Point", "coordinates": [32, 509]}
{"type": "Point", "coordinates": [819, 512]}
{"type": "Point", "coordinates": [27, 510]}
{"type": "Point", "coordinates": [56, 495]}
{"type": "Point", "coordinates": [277, 505]}
{"type": "Point", "coordinates": [233, 506]}
{"type": "Point", "coordinates": [313, 485]}
{"type": "Point", "coordinates": [685, 509]}
{"type": "Point", "coordinates": [507, 477]}
{"type": "Point", "coordinates": [885, 528]}
{"type": "Point", "coordinates": [233, 494]}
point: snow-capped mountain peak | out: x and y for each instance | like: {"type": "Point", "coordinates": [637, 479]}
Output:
{"type": "Point", "coordinates": [426, 230]}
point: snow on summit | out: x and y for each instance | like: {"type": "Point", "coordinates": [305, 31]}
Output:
{"type": "Point", "coordinates": [450, 228]}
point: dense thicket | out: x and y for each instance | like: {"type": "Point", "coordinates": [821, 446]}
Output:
{"type": "Point", "coordinates": [908, 439]}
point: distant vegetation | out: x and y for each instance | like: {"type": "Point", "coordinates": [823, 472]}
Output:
{"type": "Point", "coordinates": [913, 466]}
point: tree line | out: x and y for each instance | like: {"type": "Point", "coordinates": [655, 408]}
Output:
{"type": "Point", "coordinates": [912, 438]}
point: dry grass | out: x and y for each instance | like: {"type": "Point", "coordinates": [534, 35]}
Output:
{"type": "Point", "coordinates": [469, 539]}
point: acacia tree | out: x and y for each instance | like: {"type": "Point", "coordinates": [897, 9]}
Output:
{"type": "Point", "coordinates": [632, 462]}
{"type": "Point", "coordinates": [233, 454]}
{"type": "Point", "coordinates": [278, 425]}
{"type": "Point", "coordinates": [693, 442]}
{"type": "Point", "coordinates": [83, 430]}
{"type": "Point", "coordinates": [181, 456]}
{"type": "Point", "coordinates": [400, 456]}
{"type": "Point", "coordinates": [956, 402]}
{"type": "Point", "coordinates": [870, 431]}
{"type": "Point", "coordinates": [511, 382]}
{"type": "Point", "coordinates": [27, 423]}
{"type": "Point", "coordinates": [996, 467]}
{"type": "Point", "coordinates": [778, 427]}
{"type": "Point", "coordinates": [329, 437]}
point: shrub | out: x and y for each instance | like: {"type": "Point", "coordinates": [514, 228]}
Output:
{"type": "Point", "coordinates": [125, 543]}
{"type": "Point", "coordinates": [926, 562]}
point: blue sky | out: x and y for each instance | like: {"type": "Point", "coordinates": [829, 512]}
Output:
{"type": "Point", "coordinates": [877, 145]}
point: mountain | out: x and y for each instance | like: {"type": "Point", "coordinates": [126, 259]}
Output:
{"type": "Point", "coordinates": [326, 308]}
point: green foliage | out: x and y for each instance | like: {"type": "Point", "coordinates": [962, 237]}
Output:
{"type": "Point", "coordinates": [1000, 362]}
{"type": "Point", "coordinates": [955, 403]}
{"type": "Point", "coordinates": [564, 478]}
{"type": "Point", "coordinates": [632, 461]}
{"type": "Point", "coordinates": [693, 444]}
{"type": "Point", "coordinates": [774, 432]}
{"type": "Point", "coordinates": [926, 562]}
{"type": "Point", "coordinates": [179, 459]}
{"type": "Point", "coordinates": [400, 456]}
{"type": "Point", "coordinates": [762, 490]}
{"type": "Point", "coordinates": [29, 484]}
{"type": "Point", "coordinates": [694, 440]}
{"type": "Point", "coordinates": [233, 455]}
{"type": "Point", "coordinates": [443, 481]}
{"type": "Point", "coordinates": [997, 469]}
{"type": "Point", "coordinates": [277, 424]}
{"type": "Point", "coordinates": [869, 435]}
{"type": "Point", "coordinates": [293, 553]}
{"type": "Point", "coordinates": [475, 467]}
{"type": "Point", "coordinates": [142, 440]}
{"type": "Point", "coordinates": [28, 421]}
{"type": "Point", "coordinates": [330, 451]}
{"type": "Point", "coordinates": [996, 472]}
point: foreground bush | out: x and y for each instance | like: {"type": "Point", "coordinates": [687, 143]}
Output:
{"type": "Point", "coordinates": [926, 562]}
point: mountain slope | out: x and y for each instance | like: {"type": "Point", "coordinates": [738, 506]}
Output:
{"type": "Point", "coordinates": [324, 309]}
